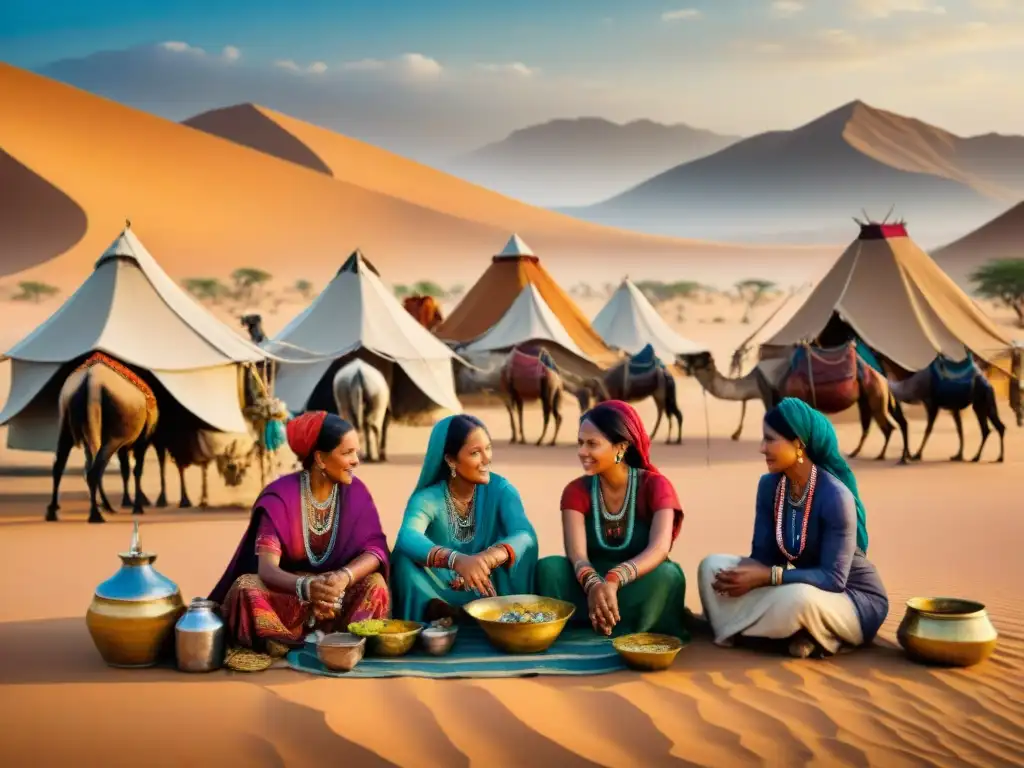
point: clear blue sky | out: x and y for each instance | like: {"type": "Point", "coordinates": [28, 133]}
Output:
{"type": "Point", "coordinates": [731, 65]}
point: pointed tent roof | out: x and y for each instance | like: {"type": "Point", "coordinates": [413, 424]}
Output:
{"type": "Point", "coordinates": [493, 294]}
{"type": "Point", "coordinates": [129, 308]}
{"type": "Point", "coordinates": [528, 319]}
{"type": "Point", "coordinates": [898, 300]}
{"type": "Point", "coordinates": [357, 311]}
{"type": "Point", "coordinates": [629, 322]}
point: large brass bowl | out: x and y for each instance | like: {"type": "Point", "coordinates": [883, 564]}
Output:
{"type": "Point", "coordinates": [520, 638]}
{"type": "Point", "coordinates": [947, 631]}
{"type": "Point", "coordinates": [397, 638]}
{"type": "Point", "coordinates": [649, 659]}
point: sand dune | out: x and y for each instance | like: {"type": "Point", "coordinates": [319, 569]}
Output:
{"type": "Point", "coordinates": [1001, 238]}
{"type": "Point", "coordinates": [713, 708]}
{"type": "Point", "coordinates": [204, 205]}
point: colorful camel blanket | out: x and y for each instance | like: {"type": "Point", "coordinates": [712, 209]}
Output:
{"type": "Point", "coordinates": [644, 361]}
{"type": "Point", "coordinates": [99, 358]}
{"type": "Point", "coordinates": [953, 381]}
{"type": "Point", "coordinates": [578, 651]}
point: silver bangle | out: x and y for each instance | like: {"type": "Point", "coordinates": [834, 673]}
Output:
{"type": "Point", "coordinates": [451, 560]}
{"type": "Point", "coordinates": [351, 576]}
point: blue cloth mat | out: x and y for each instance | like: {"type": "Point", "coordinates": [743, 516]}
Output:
{"type": "Point", "coordinates": [578, 651]}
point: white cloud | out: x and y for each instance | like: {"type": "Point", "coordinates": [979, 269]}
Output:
{"type": "Point", "coordinates": [418, 65]}
{"type": "Point", "coordinates": [883, 9]}
{"type": "Point", "coordinates": [511, 68]}
{"type": "Point", "coordinates": [316, 68]}
{"type": "Point", "coordinates": [683, 14]}
{"type": "Point", "coordinates": [231, 53]}
{"type": "Point", "coordinates": [179, 47]}
{"type": "Point", "coordinates": [786, 8]}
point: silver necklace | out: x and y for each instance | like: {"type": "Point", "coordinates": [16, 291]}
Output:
{"type": "Point", "coordinates": [308, 527]}
{"type": "Point", "coordinates": [630, 489]}
{"type": "Point", "coordinates": [318, 522]}
{"type": "Point", "coordinates": [463, 528]}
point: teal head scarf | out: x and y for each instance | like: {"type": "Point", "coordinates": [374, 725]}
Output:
{"type": "Point", "coordinates": [819, 436]}
{"type": "Point", "coordinates": [433, 468]}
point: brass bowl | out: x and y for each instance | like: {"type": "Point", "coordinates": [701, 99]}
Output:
{"type": "Point", "coordinates": [520, 638]}
{"type": "Point", "coordinates": [438, 641]}
{"type": "Point", "coordinates": [947, 631]}
{"type": "Point", "coordinates": [131, 633]}
{"type": "Point", "coordinates": [340, 651]}
{"type": "Point", "coordinates": [396, 642]}
{"type": "Point", "coordinates": [647, 660]}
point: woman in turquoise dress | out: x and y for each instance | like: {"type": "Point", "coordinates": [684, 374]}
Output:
{"type": "Point", "coordinates": [464, 534]}
{"type": "Point", "coordinates": [620, 520]}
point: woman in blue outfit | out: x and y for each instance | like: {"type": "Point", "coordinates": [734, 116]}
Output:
{"type": "Point", "coordinates": [808, 581]}
{"type": "Point", "coordinates": [465, 533]}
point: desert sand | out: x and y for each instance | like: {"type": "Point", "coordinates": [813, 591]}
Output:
{"type": "Point", "coordinates": [936, 529]}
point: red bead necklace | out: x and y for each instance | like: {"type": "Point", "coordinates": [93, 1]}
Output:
{"type": "Point", "coordinates": [780, 506]}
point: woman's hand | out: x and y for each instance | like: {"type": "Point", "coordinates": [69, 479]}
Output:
{"type": "Point", "coordinates": [339, 580]}
{"type": "Point", "coordinates": [475, 573]}
{"type": "Point", "coordinates": [325, 591]}
{"type": "Point", "coordinates": [603, 605]}
{"type": "Point", "coordinates": [736, 582]}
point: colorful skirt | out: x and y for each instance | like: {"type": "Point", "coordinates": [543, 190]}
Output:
{"type": "Point", "coordinates": [262, 624]}
{"type": "Point", "coordinates": [656, 602]}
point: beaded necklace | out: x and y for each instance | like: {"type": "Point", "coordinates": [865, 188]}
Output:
{"type": "Point", "coordinates": [781, 496]}
{"type": "Point", "coordinates": [309, 504]}
{"type": "Point", "coordinates": [463, 529]}
{"type": "Point", "coordinates": [600, 514]}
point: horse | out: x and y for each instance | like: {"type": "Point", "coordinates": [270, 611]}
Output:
{"type": "Point", "coordinates": [362, 396]}
{"type": "Point", "coordinates": [107, 409]}
{"type": "Point", "coordinates": [948, 386]}
{"type": "Point", "coordinates": [637, 378]}
{"type": "Point", "coordinates": [425, 309]}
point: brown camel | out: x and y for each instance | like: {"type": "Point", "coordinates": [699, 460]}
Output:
{"type": "Point", "coordinates": [619, 383]}
{"type": "Point", "coordinates": [939, 388]}
{"type": "Point", "coordinates": [772, 380]}
{"type": "Point", "coordinates": [425, 309]}
{"type": "Point", "coordinates": [527, 378]}
{"type": "Point", "coordinates": [106, 409]}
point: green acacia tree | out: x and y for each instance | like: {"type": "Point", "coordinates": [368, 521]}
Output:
{"type": "Point", "coordinates": [304, 288]}
{"type": "Point", "coordinates": [34, 291]}
{"type": "Point", "coordinates": [1003, 281]}
{"type": "Point", "coordinates": [248, 281]}
{"type": "Point", "coordinates": [428, 288]}
{"type": "Point", "coordinates": [753, 292]}
{"type": "Point", "coordinates": [207, 289]}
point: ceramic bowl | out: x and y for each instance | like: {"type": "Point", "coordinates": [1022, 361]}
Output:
{"type": "Point", "coordinates": [340, 651]}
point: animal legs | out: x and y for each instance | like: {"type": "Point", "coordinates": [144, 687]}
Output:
{"type": "Point", "coordinates": [161, 460]}
{"type": "Point", "coordinates": [511, 417]}
{"type": "Point", "coordinates": [186, 502]}
{"type": "Point", "coordinates": [122, 459]}
{"type": "Point", "coordinates": [64, 445]}
{"type": "Point", "coordinates": [94, 477]}
{"type": "Point", "coordinates": [864, 411]}
{"type": "Point", "coordinates": [382, 449]}
{"type": "Point", "coordinates": [204, 495]}
{"type": "Point", "coordinates": [519, 409]}
{"type": "Point", "coordinates": [933, 412]}
{"type": "Point", "coordinates": [960, 434]}
{"type": "Point", "coordinates": [556, 411]}
{"type": "Point", "coordinates": [895, 410]}
{"type": "Point", "coordinates": [739, 427]}
{"type": "Point", "coordinates": [546, 395]}
{"type": "Point", "coordinates": [139, 449]}
{"type": "Point", "coordinates": [657, 422]}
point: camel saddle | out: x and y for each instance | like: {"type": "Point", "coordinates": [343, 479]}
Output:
{"type": "Point", "coordinates": [825, 378]}
{"type": "Point", "coordinates": [525, 371]}
{"type": "Point", "coordinates": [126, 373]}
{"type": "Point", "coordinates": [644, 362]}
{"type": "Point", "coordinates": [953, 381]}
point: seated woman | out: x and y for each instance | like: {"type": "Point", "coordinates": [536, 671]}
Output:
{"type": "Point", "coordinates": [313, 556]}
{"type": "Point", "coordinates": [619, 522]}
{"type": "Point", "coordinates": [807, 581]}
{"type": "Point", "coordinates": [464, 534]}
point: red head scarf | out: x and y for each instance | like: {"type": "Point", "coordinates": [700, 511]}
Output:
{"type": "Point", "coordinates": [635, 431]}
{"type": "Point", "coordinates": [303, 432]}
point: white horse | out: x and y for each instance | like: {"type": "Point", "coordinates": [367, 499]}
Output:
{"type": "Point", "coordinates": [363, 397]}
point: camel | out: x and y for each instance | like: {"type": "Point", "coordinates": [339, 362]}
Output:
{"type": "Point", "coordinates": [231, 453]}
{"type": "Point", "coordinates": [425, 309]}
{"type": "Point", "coordinates": [106, 409]}
{"type": "Point", "coordinates": [619, 383]}
{"type": "Point", "coordinates": [967, 387]}
{"type": "Point", "coordinates": [362, 396]}
{"type": "Point", "coordinates": [527, 378]}
{"type": "Point", "coordinates": [771, 380]}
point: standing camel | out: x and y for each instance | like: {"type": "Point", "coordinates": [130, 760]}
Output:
{"type": "Point", "coordinates": [621, 383]}
{"type": "Point", "coordinates": [945, 387]}
{"type": "Point", "coordinates": [770, 381]}
{"type": "Point", "coordinates": [363, 397]}
{"type": "Point", "coordinates": [425, 309]}
{"type": "Point", "coordinates": [106, 409]}
{"type": "Point", "coordinates": [527, 378]}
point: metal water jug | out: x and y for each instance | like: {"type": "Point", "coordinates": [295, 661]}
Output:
{"type": "Point", "coordinates": [199, 637]}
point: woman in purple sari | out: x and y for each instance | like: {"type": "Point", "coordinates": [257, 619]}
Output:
{"type": "Point", "coordinates": [314, 555]}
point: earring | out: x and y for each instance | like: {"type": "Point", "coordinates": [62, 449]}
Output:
{"type": "Point", "coordinates": [452, 467]}
{"type": "Point", "coordinates": [618, 458]}
{"type": "Point", "coordinates": [799, 456]}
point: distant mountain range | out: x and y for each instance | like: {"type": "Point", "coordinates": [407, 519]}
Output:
{"type": "Point", "coordinates": [571, 162]}
{"type": "Point", "coordinates": [1001, 238]}
{"type": "Point", "coordinates": [803, 185]}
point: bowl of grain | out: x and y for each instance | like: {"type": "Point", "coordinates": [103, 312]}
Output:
{"type": "Point", "coordinates": [387, 637]}
{"type": "Point", "coordinates": [521, 623]}
{"type": "Point", "coordinates": [647, 651]}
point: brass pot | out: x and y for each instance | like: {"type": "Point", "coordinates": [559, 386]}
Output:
{"type": "Point", "coordinates": [510, 637]}
{"type": "Point", "coordinates": [132, 615]}
{"type": "Point", "coordinates": [947, 631]}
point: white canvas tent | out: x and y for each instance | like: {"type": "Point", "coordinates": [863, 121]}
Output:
{"type": "Point", "coordinates": [529, 320]}
{"type": "Point", "coordinates": [357, 313]}
{"type": "Point", "coordinates": [629, 322]}
{"type": "Point", "coordinates": [130, 309]}
{"type": "Point", "coordinates": [898, 300]}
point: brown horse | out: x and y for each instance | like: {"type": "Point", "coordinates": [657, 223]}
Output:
{"type": "Point", "coordinates": [425, 309]}
{"type": "Point", "coordinates": [107, 409]}
{"type": "Point", "coordinates": [526, 378]}
{"type": "Point", "coordinates": [619, 383]}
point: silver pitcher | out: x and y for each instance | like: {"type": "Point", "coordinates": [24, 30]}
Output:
{"type": "Point", "coordinates": [199, 637]}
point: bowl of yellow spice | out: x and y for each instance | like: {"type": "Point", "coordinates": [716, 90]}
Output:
{"type": "Point", "coordinates": [387, 637]}
{"type": "Point", "coordinates": [648, 652]}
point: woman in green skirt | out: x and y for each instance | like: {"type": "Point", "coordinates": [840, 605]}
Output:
{"type": "Point", "coordinates": [619, 522]}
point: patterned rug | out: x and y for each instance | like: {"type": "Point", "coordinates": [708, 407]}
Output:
{"type": "Point", "coordinates": [578, 651]}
